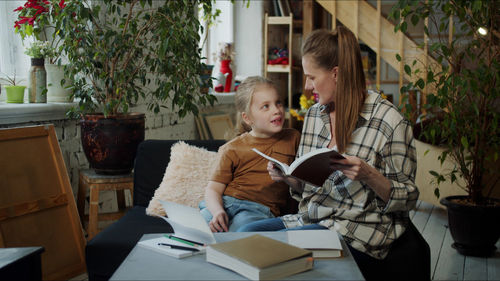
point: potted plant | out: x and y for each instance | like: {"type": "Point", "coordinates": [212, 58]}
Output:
{"type": "Point", "coordinates": [122, 52]}
{"type": "Point", "coordinates": [37, 20]}
{"type": "Point", "coordinates": [15, 92]}
{"type": "Point", "coordinates": [462, 103]}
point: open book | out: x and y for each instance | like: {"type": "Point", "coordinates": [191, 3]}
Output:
{"type": "Point", "coordinates": [187, 222]}
{"type": "Point", "coordinates": [260, 258]}
{"type": "Point", "coordinates": [189, 228]}
{"type": "Point", "coordinates": [324, 243]}
{"type": "Point", "coordinates": [311, 167]}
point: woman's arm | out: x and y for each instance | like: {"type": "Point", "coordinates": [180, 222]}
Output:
{"type": "Point", "coordinates": [357, 169]}
{"type": "Point", "coordinates": [396, 186]}
{"type": "Point", "coordinates": [213, 198]}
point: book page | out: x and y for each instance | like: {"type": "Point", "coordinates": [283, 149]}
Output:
{"type": "Point", "coordinates": [282, 166]}
{"type": "Point", "coordinates": [187, 222]}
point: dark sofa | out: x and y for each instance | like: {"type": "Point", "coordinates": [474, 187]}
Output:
{"type": "Point", "coordinates": [106, 251]}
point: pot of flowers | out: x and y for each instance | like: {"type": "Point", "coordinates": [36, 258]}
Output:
{"type": "Point", "coordinates": [122, 53]}
{"type": "Point", "coordinates": [36, 19]}
{"type": "Point", "coordinates": [14, 91]}
{"type": "Point", "coordinates": [462, 102]}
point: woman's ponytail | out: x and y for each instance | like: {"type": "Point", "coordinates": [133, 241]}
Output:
{"type": "Point", "coordinates": [351, 87]}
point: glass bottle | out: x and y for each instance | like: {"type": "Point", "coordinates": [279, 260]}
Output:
{"type": "Point", "coordinates": [37, 81]}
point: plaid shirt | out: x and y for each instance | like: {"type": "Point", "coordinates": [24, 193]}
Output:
{"type": "Point", "coordinates": [384, 140]}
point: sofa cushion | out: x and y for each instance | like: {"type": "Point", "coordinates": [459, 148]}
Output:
{"type": "Point", "coordinates": [106, 251]}
{"type": "Point", "coordinates": [185, 178]}
{"type": "Point", "coordinates": [150, 163]}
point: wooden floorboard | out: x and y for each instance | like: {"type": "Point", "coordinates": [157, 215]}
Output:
{"type": "Point", "coordinates": [446, 262]}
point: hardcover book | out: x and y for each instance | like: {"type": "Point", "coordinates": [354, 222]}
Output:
{"type": "Point", "coordinates": [311, 167]}
{"type": "Point", "coordinates": [260, 258]}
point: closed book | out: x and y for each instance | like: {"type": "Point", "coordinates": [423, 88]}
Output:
{"type": "Point", "coordinates": [311, 167]}
{"type": "Point", "coordinates": [324, 243]}
{"type": "Point", "coordinates": [260, 258]}
{"type": "Point", "coordinates": [155, 244]}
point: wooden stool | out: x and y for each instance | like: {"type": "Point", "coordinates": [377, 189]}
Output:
{"type": "Point", "coordinates": [97, 183]}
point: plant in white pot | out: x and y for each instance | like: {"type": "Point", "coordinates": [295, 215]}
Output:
{"type": "Point", "coordinates": [14, 91]}
{"type": "Point", "coordinates": [37, 20]}
{"type": "Point", "coordinates": [122, 52]}
{"type": "Point", "coordinates": [463, 104]}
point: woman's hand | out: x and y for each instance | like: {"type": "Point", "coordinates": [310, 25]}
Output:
{"type": "Point", "coordinates": [277, 175]}
{"type": "Point", "coordinates": [358, 170]}
{"type": "Point", "coordinates": [352, 167]}
{"type": "Point", "coordinates": [219, 222]}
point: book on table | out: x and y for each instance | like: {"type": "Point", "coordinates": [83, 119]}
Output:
{"type": "Point", "coordinates": [324, 243]}
{"type": "Point", "coordinates": [260, 258]}
{"type": "Point", "coordinates": [311, 167]}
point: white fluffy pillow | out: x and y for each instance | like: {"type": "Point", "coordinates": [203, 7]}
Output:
{"type": "Point", "coordinates": [185, 178]}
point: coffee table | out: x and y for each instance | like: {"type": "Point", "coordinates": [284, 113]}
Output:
{"type": "Point", "coordinates": [145, 264]}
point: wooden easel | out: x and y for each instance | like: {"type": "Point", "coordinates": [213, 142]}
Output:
{"type": "Point", "coordinates": [37, 206]}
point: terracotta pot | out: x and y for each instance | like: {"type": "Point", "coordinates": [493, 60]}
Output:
{"type": "Point", "coordinates": [110, 144]}
{"type": "Point", "coordinates": [475, 229]}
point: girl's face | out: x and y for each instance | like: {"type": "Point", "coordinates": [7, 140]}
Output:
{"type": "Point", "coordinates": [266, 114]}
{"type": "Point", "coordinates": [320, 81]}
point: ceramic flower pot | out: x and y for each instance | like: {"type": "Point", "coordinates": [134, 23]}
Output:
{"type": "Point", "coordinates": [55, 91]}
{"type": "Point", "coordinates": [15, 94]}
{"type": "Point", "coordinates": [110, 144]}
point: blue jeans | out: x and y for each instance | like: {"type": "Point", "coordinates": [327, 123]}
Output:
{"type": "Point", "coordinates": [240, 212]}
{"type": "Point", "coordinates": [275, 224]}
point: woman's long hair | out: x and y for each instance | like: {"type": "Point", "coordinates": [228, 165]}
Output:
{"type": "Point", "coordinates": [340, 47]}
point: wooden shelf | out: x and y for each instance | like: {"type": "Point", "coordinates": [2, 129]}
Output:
{"type": "Point", "coordinates": [283, 68]}
{"type": "Point", "coordinates": [280, 20]}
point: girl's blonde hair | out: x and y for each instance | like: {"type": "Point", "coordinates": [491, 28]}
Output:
{"type": "Point", "coordinates": [340, 47]}
{"type": "Point", "coordinates": [243, 99]}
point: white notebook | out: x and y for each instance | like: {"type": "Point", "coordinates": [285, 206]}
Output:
{"type": "Point", "coordinates": [323, 243]}
{"type": "Point", "coordinates": [153, 245]}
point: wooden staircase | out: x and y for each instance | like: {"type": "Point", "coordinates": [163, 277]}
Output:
{"type": "Point", "coordinates": [368, 24]}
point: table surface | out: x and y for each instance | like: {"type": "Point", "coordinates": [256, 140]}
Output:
{"type": "Point", "coordinates": [145, 264]}
{"type": "Point", "coordinates": [11, 255]}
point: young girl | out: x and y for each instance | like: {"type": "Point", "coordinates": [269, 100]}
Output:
{"type": "Point", "coordinates": [240, 190]}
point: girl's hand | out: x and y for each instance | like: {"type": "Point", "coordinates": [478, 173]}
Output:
{"type": "Point", "coordinates": [277, 175]}
{"type": "Point", "coordinates": [219, 222]}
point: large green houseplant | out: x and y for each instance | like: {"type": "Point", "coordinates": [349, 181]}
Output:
{"type": "Point", "coordinates": [122, 52]}
{"type": "Point", "coordinates": [463, 104]}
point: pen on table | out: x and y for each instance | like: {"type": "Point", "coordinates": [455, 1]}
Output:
{"type": "Point", "coordinates": [178, 247]}
{"type": "Point", "coordinates": [183, 240]}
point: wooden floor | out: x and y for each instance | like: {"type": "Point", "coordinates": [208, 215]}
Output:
{"type": "Point", "coordinates": [446, 262]}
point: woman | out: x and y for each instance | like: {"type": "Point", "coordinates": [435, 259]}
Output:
{"type": "Point", "coordinates": [368, 199]}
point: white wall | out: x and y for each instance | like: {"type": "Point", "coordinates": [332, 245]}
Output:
{"type": "Point", "coordinates": [248, 35]}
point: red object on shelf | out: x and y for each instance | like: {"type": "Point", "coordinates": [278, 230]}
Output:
{"type": "Point", "coordinates": [225, 69]}
{"type": "Point", "coordinates": [282, 60]}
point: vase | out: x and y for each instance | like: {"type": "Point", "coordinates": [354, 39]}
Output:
{"type": "Point", "coordinates": [205, 78]}
{"type": "Point", "coordinates": [55, 91]}
{"type": "Point", "coordinates": [37, 81]}
{"type": "Point", "coordinates": [225, 69]}
{"type": "Point", "coordinates": [15, 94]}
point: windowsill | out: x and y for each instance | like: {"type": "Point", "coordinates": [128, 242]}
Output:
{"type": "Point", "coordinates": [12, 113]}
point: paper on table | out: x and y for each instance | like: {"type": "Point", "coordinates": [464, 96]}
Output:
{"type": "Point", "coordinates": [187, 222]}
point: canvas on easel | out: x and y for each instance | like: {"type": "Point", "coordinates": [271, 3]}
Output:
{"type": "Point", "coordinates": [37, 207]}
{"type": "Point", "coordinates": [220, 126]}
